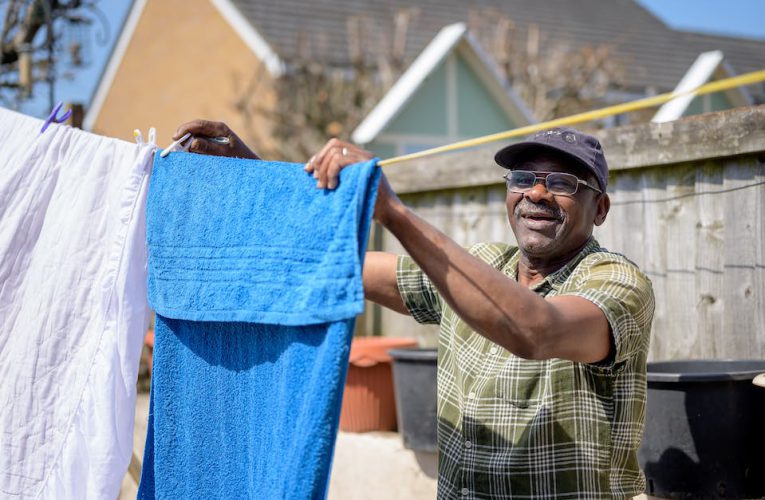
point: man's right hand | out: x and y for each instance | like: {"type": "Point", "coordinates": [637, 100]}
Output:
{"type": "Point", "coordinates": [203, 131]}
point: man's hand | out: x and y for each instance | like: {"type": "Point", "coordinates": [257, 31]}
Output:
{"type": "Point", "coordinates": [203, 132]}
{"type": "Point", "coordinates": [327, 163]}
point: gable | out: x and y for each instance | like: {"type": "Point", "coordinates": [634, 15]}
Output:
{"type": "Point", "coordinates": [707, 67]}
{"type": "Point", "coordinates": [451, 104]}
{"type": "Point", "coordinates": [426, 112]}
{"type": "Point", "coordinates": [707, 103]}
{"type": "Point", "coordinates": [478, 111]}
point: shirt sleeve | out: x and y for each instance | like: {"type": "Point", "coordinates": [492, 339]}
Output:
{"type": "Point", "coordinates": [625, 295]}
{"type": "Point", "coordinates": [417, 291]}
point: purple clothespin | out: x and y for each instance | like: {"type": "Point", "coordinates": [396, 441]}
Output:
{"type": "Point", "coordinates": [54, 118]}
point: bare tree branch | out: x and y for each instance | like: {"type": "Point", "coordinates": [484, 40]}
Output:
{"type": "Point", "coordinates": [29, 52]}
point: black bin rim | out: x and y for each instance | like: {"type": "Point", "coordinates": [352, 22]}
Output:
{"type": "Point", "coordinates": [414, 354]}
{"type": "Point", "coordinates": [705, 370]}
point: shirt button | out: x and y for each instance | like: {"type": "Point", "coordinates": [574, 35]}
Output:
{"type": "Point", "coordinates": [471, 395]}
{"type": "Point", "coordinates": [493, 350]}
{"type": "Point", "coordinates": [465, 491]}
{"type": "Point", "coordinates": [468, 444]}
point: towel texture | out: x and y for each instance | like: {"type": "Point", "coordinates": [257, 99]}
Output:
{"type": "Point", "coordinates": [256, 278]}
{"type": "Point", "coordinates": [73, 308]}
{"type": "Point", "coordinates": [239, 240]}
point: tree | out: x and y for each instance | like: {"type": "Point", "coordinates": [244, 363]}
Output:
{"type": "Point", "coordinates": [31, 44]}
{"type": "Point", "coordinates": [553, 79]}
{"type": "Point", "coordinates": [316, 101]}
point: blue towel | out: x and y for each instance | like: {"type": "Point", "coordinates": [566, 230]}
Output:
{"type": "Point", "coordinates": [255, 276]}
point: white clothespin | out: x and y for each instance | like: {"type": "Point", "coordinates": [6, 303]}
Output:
{"type": "Point", "coordinates": [138, 136]}
{"type": "Point", "coordinates": [175, 145]}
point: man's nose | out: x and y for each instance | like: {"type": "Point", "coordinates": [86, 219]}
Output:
{"type": "Point", "coordinates": [539, 193]}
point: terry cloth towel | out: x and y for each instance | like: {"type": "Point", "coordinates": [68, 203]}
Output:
{"type": "Point", "coordinates": [255, 276]}
{"type": "Point", "coordinates": [73, 308]}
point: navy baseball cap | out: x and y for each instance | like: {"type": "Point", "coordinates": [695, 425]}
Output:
{"type": "Point", "coordinates": [582, 148]}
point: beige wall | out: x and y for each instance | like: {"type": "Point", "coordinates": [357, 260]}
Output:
{"type": "Point", "coordinates": [183, 62]}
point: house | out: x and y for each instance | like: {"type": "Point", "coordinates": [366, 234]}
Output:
{"type": "Point", "coordinates": [179, 60]}
{"type": "Point", "coordinates": [709, 66]}
{"type": "Point", "coordinates": [450, 92]}
{"type": "Point", "coordinates": [220, 59]}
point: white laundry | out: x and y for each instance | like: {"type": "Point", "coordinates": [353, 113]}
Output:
{"type": "Point", "coordinates": [73, 307]}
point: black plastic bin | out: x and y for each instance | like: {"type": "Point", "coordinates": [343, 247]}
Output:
{"type": "Point", "coordinates": [705, 430]}
{"type": "Point", "coordinates": [414, 382]}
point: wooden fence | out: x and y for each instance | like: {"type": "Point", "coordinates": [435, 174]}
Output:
{"type": "Point", "coordinates": [687, 205]}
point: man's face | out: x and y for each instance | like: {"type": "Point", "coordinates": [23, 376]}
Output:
{"type": "Point", "coordinates": [551, 226]}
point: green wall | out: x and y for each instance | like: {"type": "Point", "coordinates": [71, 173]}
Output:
{"type": "Point", "coordinates": [425, 113]}
{"type": "Point", "coordinates": [718, 102]}
{"type": "Point", "coordinates": [478, 112]}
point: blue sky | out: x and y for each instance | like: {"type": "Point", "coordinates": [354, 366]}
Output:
{"type": "Point", "coordinates": [731, 17]}
{"type": "Point", "coordinates": [728, 17]}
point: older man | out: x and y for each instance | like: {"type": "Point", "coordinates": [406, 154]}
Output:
{"type": "Point", "coordinates": [542, 350]}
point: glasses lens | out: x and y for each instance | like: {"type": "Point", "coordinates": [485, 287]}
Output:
{"type": "Point", "coordinates": [560, 183]}
{"type": "Point", "coordinates": [520, 180]}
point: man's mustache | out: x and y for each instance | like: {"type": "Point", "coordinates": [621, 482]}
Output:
{"type": "Point", "coordinates": [530, 209]}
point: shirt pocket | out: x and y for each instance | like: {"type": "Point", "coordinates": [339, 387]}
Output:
{"type": "Point", "coordinates": [521, 382]}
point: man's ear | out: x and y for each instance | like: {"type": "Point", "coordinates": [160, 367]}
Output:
{"type": "Point", "coordinates": [604, 204]}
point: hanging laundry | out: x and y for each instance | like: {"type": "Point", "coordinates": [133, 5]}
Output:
{"type": "Point", "coordinates": [73, 308]}
{"type": "Point", "coordinates": [255, 276]}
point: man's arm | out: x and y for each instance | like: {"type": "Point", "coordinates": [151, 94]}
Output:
{"type": "Point", "coordinates": [380, 281]}
{"type": "Point", "coordinates": [494, 305]}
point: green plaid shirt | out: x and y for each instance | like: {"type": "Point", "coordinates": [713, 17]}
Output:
{"type": "Point", "coordinates": [510, 427]}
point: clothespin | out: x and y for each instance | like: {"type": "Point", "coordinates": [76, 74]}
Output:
{"type": "Point", "coordinates": [54, 118]}
{"type": "Point", "coordinates": [138, 136]}
{"type": "Point", "coordinates": [175, 145]}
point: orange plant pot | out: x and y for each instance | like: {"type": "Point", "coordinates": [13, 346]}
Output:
{"type": "Point", "coordinates": [368, 402]}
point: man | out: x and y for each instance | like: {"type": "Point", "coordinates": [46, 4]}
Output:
{"type": "Point", "coordinates": [542, 351]}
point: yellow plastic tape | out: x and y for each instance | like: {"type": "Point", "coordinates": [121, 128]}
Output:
{"type": "Point", "coordinates": [716, 86]}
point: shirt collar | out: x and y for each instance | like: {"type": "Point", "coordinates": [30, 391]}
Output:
{"type": "Point", "coordinates": [554, 280]}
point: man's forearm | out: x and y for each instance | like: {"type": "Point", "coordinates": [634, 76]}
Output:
{"type": "Point", "coordinates": [495, 306]}
{"type": "Point", "coordinates": [380, 281]}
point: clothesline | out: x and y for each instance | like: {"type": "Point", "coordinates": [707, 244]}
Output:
{"type": "Point", "coordinates": [648, 102]}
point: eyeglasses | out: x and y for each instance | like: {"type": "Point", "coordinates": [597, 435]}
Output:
{"type": "Point", "coordinates": [559, 183]}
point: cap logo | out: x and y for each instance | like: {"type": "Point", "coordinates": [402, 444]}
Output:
{"type": "Point", "coordinates": [547, 133]}
{"type": "Point", "coordinates": [571, 138]}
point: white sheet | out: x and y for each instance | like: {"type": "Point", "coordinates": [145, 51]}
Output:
{"type": "Point", "coordinates": [73, 308]}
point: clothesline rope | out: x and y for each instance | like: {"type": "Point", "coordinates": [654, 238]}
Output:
{"type": "Point", "coordinates": [647, 102]}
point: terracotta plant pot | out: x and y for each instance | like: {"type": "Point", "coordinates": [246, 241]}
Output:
{"type": "Point", "coordinates": [368, 401]}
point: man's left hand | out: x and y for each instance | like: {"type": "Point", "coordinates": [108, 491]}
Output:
{"type": "Point", "coordinates": [327, 163]}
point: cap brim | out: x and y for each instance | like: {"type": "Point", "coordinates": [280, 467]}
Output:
{"type": "Point", "coordinates": [506, 157]}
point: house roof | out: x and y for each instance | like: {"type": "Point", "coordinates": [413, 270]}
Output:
{"type": "Point", "coordinates": [452, 37]}
{"type": "Point", "coordinates": [655, 56]}
{"type": "Point", "coordinates": [707, 66]}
